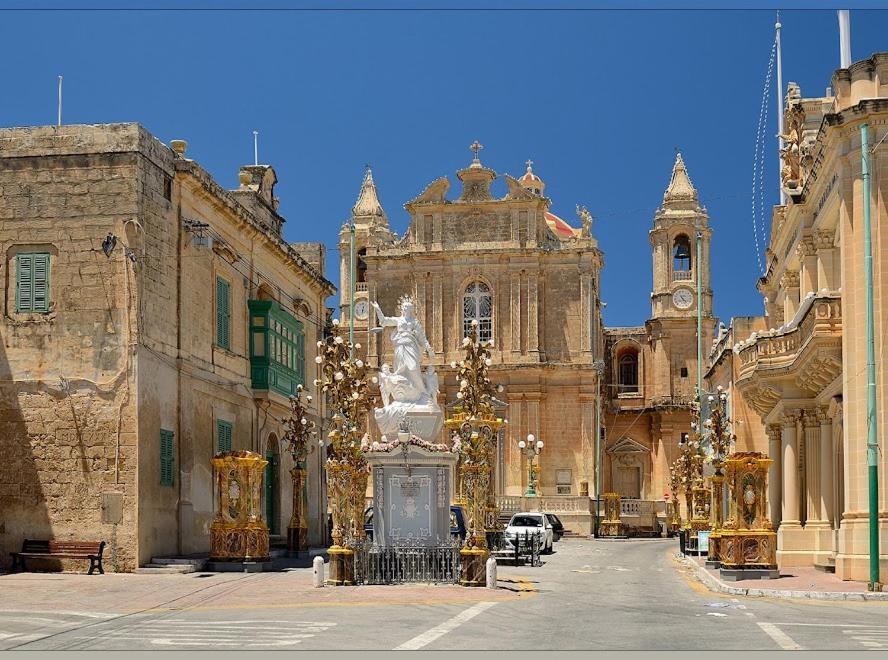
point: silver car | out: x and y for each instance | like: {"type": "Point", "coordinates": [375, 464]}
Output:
{"type": "Point", "coordinates": [530, 523]}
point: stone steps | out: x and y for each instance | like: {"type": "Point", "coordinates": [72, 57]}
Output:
{"type": "Point", "coordinates": [172, 565]}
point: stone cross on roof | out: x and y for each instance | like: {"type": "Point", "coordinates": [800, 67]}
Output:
{"type": "Point", "coordinates": [476, 147]}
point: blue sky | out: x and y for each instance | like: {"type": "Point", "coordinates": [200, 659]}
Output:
{"type": "Point", "coordinates": [598, 99]}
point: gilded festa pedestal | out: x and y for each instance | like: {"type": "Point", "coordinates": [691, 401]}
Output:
{"type": "Point", "coordinates": [239, 536]}
{"type": "Point", "coordinates": [747, 545]}
{"type": "Point", "coordinates": [612, 525]}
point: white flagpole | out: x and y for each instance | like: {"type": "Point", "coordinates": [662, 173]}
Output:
{"type": "Point", "coordinates": [255, 147]}
{"type": "Point", "coordinates": [844, 38]}
{"type": "Point", "coordinates": [60, 101]}
{"type": "Point", "coordinates": [779, 107]}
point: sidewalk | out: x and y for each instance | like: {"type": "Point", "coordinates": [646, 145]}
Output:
{"type": "Point", "coordinates": [119, 593]}
{"type": "Point", "coordinates": [797, 582]}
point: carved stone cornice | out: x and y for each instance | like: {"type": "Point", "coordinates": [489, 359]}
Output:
{"type": "Point", "coordinates": [811, 418]}
{"type": "Point", "coordinates": [824, 239]}
{"type": "Point", "coordinates": [791, 417]}
{"type": "Point", "coordinates": [789, 279]}
{"type": "Point", "coordinates": [774, 431]}
{"type": "Point", "coordinates": [806, 247]}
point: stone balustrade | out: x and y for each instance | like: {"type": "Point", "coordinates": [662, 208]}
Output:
{"type": "Point", "coordinates": [823, 317]}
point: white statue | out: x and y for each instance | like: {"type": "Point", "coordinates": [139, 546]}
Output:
{"type": "Point", "coordinates": [407, 392]}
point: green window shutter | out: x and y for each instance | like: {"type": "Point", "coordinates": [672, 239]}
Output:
{"type": "Point", "coordinates": [223, 313]}
{"type": "Point", "coordinates": [41, 283]}
{"type": "Point", "coordinates": [166, 457]}
{"type": "Point", "coordinates": [300, 355]}
{"type": "Point", "coordinates": [24, 285]}
{"type": "Point", "coordinates": [223, 436]}
{"type": "Point", "coordinates": [32, 282]}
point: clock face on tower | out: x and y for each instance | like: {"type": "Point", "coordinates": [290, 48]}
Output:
{"type": "Point", "coordinates": [683, 298]}
{"type": "Point", "coordinates": [362, 309]}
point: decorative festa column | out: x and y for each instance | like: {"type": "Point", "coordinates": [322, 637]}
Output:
{"type": "Point", "coordinates": [674, 487]}
{"type": "Point", "coordinates": [720, 440]}
{"type": "Point", "coordinates": [347, 386]}
{"type": "Point", "coordinates": [238, 534]}
{"type": "Point", "coordinates": [300, 436]}
{"type": "Point", "coordinates": [748, 544]}
{"type": "Point", "coordinates": [474, 426]}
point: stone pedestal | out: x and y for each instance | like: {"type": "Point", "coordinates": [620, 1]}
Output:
{"type": "Point", "coordinates": [412, 486]}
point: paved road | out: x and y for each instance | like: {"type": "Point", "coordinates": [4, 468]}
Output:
{"type": "Point", "coordinates": [592, 595]}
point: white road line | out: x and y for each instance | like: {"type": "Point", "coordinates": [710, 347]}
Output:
{"type": "Point", "coordinates": [783, 640]}
{"type": "Point", "coordinates": [832, 625]}
{"type": "Point", "coordinates": [90, 615]}
{"type": "Point", "coordinates": [430, 636]}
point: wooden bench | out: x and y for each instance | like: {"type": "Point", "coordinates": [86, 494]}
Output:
{"type": "Point", "coordinates": [31, 548]}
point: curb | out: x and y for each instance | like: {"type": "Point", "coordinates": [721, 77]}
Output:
{"type": "Point", "coordinates": [714, 584]}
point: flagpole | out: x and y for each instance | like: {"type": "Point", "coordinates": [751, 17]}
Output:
{"type": "Point", "coordinates": [777, 27]}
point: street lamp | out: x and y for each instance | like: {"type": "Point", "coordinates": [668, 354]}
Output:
{"type": "Point", "coordinates": [532, 448]}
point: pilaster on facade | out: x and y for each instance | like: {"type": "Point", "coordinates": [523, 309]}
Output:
{"type": "Point", "coordinates": [533, 339]}
{"type": "Point", "coordinates": [515, 309]}
{"type": "Point", "coordinates": [775, 473]}
{"type": "Point", "coordinates": [791, 516]}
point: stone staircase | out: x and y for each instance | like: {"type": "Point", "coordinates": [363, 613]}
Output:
{"type": "Point", "coordinates": [172, 565]}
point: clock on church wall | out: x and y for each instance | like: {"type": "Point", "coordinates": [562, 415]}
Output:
{"type": "Point", "coordinates": [362, 309]}
{"type": "Point", "coordinates": [683, 298]}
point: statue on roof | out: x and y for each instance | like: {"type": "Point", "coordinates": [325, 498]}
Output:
{"type": "Point", "coordinates": [585, 218]}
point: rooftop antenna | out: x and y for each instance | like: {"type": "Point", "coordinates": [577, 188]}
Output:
{"type": "Point", "coordinates": [844, 38]}
{"type": "Point", "coordinates": [779, 106]}
{"type": "Point", "coordinates": [60, 101]}
{"type": "Point", "coordinates": [255, 147]}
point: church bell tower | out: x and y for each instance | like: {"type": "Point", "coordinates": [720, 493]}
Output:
{"type": "Point", "coordinates": [677, 224]}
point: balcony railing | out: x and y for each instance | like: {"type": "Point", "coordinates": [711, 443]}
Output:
{"type": "Point", "coordinates": [360, 286]}
{"type": "Point", "coordinates": [822, 316]}
{"type": "Point", "coordinates": [681, 275]}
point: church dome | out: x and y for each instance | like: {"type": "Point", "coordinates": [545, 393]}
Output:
{"type": "Point", "coordinates": [531, 181]}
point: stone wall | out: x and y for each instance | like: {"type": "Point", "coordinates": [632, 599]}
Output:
{"type": "Point", "coordinates": [67, 377]}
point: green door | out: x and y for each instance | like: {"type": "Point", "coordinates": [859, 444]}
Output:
{"type": "Point", "coordinates": [270, 471]}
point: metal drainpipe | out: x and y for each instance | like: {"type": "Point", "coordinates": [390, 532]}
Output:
{"type": "Point", "coordinates": [872, 440]}
{"type": "Point", "coordinates": [700, 318]}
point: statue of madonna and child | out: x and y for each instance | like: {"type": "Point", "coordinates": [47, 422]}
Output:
{"type": "Point", "coordinates": [409, 394]}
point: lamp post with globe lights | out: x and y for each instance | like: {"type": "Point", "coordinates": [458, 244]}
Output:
{"type": "Point", "coordinates": [532, 449]}
{"type": "Point", "coordinates": [346, 383]}
{"type": "Point", "coordinates": [474, 425]}
{"type": "Point", "coordinates": [299, 436]}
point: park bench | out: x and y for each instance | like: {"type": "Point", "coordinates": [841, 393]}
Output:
{"type": "Point", "coordinates": [31, 548]}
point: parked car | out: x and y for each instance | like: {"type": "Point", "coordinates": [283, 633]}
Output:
{"type": "Point", "coordinates": [557, 527]}
{"type": "Point", "coordinates": [457, 522]}
{"type": "Point", "coordinates": [530, 523]}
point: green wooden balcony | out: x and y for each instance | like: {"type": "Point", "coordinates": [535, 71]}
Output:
{"type": "Point", "coordinates": [277, 348]}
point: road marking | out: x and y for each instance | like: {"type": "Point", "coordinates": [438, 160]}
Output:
{"type": "Point", "coordinates": [91, 615]}
{"type": "Point", "coordinates": [783, 640]}
{"type": "Point", "coordinates": [430, 636]}
{"type": "Point", "coordinates": [873, 637]}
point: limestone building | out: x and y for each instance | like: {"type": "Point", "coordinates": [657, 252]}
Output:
{"type": "Point", "coordinates": [802, 367]}
{"type": "Point", "coordinates": [151, 319]}
{"type": "Point", "coordinates": [532, 281]}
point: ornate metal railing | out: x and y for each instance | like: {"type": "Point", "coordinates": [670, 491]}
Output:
{"type": "Point", "coordinates": [407, 562]}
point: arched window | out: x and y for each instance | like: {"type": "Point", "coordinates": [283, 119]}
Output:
{"type": "Point", "coordinates": [361, 266]}
{"type": "Point", "coordinates": [478, 306]}
{"type": "Point", "coordinates": [681, 258]}
{"type": "Point", "coordinates": [628, 372]}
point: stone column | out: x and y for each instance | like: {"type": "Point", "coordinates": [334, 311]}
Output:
{"type": "Point", "coordinates": [827, 484]}
{"type": "Point", "coordinates": [775, 474]}
{"type": "Point", "coordinates": [790, 458]}
{"type": "Point", "coordinates": [790, 285]}
{"type": "Point", "coordinates": [438, 315]}
{"type": "Point", "coordinates": [585, 313]}
{"type": "Point", "coordinates": [811, 422]}
{"type": "Point", "coordinates": [826, 265]}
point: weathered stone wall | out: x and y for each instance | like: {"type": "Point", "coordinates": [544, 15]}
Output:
{"type": "Point", "coordinates": [128, 346]}
{"type": "Point", "coordinates": [67, 404]}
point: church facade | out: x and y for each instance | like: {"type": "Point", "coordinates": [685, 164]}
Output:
{"type": "Point", "coordinates": [532, 282]}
